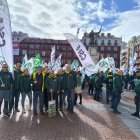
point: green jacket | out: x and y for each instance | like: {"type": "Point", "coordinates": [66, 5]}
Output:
{"type": "Point", "coordinates": [117, 83]}
{"type": "Point", "coordinates": [52, 83]}
{"type": "Point", "coordinates": [78, 81]}
{"type": "Point", "coordinates": [137, 84]}
{"type": "Point", "coordinates": [126, 78]}
{"type": "Point", "coordinates": [25, 83]}
{"type": "Point", "coordinates": [70, 80]}
{"type": "Point", "coordinates": [7, 79]}
{"type": "Point", "coordinates": [61, 81]}
{"type": "Point", "coordinates": [98, 82]}
{"type": "Point", "coordinates": [109, 82]}
{"type": "Point", "coordinates": [16, 82]}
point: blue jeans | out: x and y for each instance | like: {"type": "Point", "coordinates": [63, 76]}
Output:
{"type": "Point", "coordinates": [116, 97]}
{"type": "Point", "coordinates": [70, 98]}
{"type": "Point", "coordinates": [37, 94]}
{"type": "Point", "coordinates": [108, 94]}
{"type": "Point", "coordinates": [23, 94]}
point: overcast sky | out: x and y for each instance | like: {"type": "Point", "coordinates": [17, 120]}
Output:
{"type": "Point", "coordinates": [52, 18]}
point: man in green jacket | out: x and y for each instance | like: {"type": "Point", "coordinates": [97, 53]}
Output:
{"type": "Point", "coordinates": [61, 87]}
{"type": "Point", "coordinates": [6, 81]}
{"type": "Point", "coordinates": [137, 97]}
{"type": "Point", "coordinates": [70, 84]}
{"type": "Point", "coordinates": [52, 86]}
{"type": "Point", "coordinates": [109, 86]}
{"type": "Point", "coordinates": [117, 90]}
{"type": "Point", "coordinates": [16, 88]}
{"type": "Point", "coordinates": [25, 88]}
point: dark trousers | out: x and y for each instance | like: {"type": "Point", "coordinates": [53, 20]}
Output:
{"type": "Point", "coordinates": [90, 88]}
{"type": "Point", "coordinates": [97, 94]}
{"type": "Point", "coordinates": [137, 103]}
{"type": "Point", "coordinates": [132, 85]}
{"type": "Point", "coordinates": [116, 97]}
{"type": "Point", "coordinates": [46, 98]}
{"type": "Point", "coordinates": [60, 99]}
{"type": "Point", "coordinates": [126, 84]}
{"type": "Point", "coordinates": [108, 94]}
{"type": "Point", "coordinates": [75, 98]}
{"type": "Point", "coordinates": [14, 99]}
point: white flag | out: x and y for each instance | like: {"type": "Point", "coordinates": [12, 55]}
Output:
{"type": "Point", "coordinates": [82, 53]}
{"type": "Point", "coordinates": [53, 55]}
{"type": "Point", "coordinates": [6, 47]}
{"type": "Point", "coordinates": [29, 65]}
{"type": "Point", "coordinates": [25, 59]}
{"type": "Point", "coordinates": [57, 63]}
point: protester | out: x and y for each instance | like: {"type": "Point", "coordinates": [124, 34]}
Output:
{"type": "Point", "coordinates": [16, 88]}
{"type": "Point", "coordinates": [98, 86]}
{"type": "Point", "coordinates": [61, 87]}
{"type": "Point", "coordinates": [109, 86]}
{"type": "Point", "coordinates": [117, 90]}
{"type": "Point", "coordinates": [52, 86]}
{"type": "Point", "coordinates": [6, 81]}
{"type": "Point", "coordinates": [90, 84]}
{"type": "Point", "coordinates": [78, 91]}
{"type": "Point", "coordinates": [25, 88]}
{"type": "Point", "coordinates": [137, 90]}
{"type": "Point", "coordinates": [46, 92]}
{"type": "Point", "coordinates": [126, 80]}
{"type": "Point", "coordinates": [38, 89]}
{"type": "Point", "coordinates": [131, 81]}
{"type": "Point", "coordinates": [70, 84]}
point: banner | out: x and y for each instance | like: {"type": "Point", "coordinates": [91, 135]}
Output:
{"type": "Point", "coordinates": [37, 61]}
{"type": "Point", "coordinates": [57, 63]}
{"type": "Point", "coordinates": [25, 59]}
{"type": "Point", "coordinates": [53, 55]}
{"type": "Point", "coordinates": [81, 53]}
{"type": "Point", "coordinates": [6, 48]}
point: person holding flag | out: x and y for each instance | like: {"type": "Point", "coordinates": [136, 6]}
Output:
{"type": "Point", "coordinates": [38, 89]}
{"type": "Point", "coordinates": [6, 81]}
{"type": "Point", "coordinates": [61, 87]}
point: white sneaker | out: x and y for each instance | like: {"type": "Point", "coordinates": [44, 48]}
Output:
{"type": "Point", "coordinates": [23, 111]}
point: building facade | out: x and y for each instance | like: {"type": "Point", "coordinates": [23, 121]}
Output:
{"type": "Point", "coordinates": [33, 46]}
{"type": "Point", "coordinates": [134, 47]}
{"type": "Point", "coordinates": [106, 45]}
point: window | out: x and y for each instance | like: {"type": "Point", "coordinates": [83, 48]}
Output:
{"type": "Point", "coordinates": [102, 49]}
{"type": "Point", "coordinates": [37, 46]}
{"type": "Point", "coordinates": [115, 49]}
{"type": "Point", "coordinates": [57, 47]}
{"type": "Point", "coordinates": [23, 52]}
{"type": "Point", "coordinates": [43, 53]}
{"type": "Point", "coordinates": [102, 42]}
{"type": "Point", "coordinates": [32, 46]}
{"type": "Point", "coordinates": [69, 55]}
{"type": "Point", "coordinates": [109, 42]}
{"type": "Point", "coordinates": [96, 42]}
{"type": "Point", "coordinates": [69, 48]}
{"type": "Point", "coordinates": [115, 56]}
{"type": "Point", "coordinates": [68, 61]}
{"type": "Point", "coordinates": [108, 35]}
{"type": "Point", "coordinates": [44, 47]}
{"type": "Point", "coordinates": [36, 52]}
{"type": "Point", "coordinates": [31, 52]}
{"type": "Point", "coordinates": [116, 42]}
{"type": "Point", "coordinates": [108, 54]}
{"type": "Point", "coordinates": [64, 48]}
{"type": "Point", "coordinates": [108, 49]}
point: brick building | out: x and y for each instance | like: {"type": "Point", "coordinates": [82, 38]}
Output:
{"type": "Point", "coordinates": [105, 45]}
{"type": "Point", "coordinates": [33, 46]}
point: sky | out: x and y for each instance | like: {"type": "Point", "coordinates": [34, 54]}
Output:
{"type": "Point", "coordinates": [52, 18]}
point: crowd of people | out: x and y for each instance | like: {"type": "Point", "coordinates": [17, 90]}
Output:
{"type": "Point", "coordinates": [45, 85]}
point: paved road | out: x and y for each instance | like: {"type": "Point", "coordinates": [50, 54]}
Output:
{"type": "Point", "coordinates": [91, 121]}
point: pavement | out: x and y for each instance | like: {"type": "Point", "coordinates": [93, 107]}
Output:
{"type": "Point", "coordinates": [91, 121]}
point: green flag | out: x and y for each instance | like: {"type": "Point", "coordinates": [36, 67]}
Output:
{"type": "Point", "coordinates": [74, 64]}
{"type": "Point", "coordinates": [37, 61]}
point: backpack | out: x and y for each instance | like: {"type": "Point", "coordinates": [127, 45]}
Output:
{"type": "Point", "coordinates": [137, 86]}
